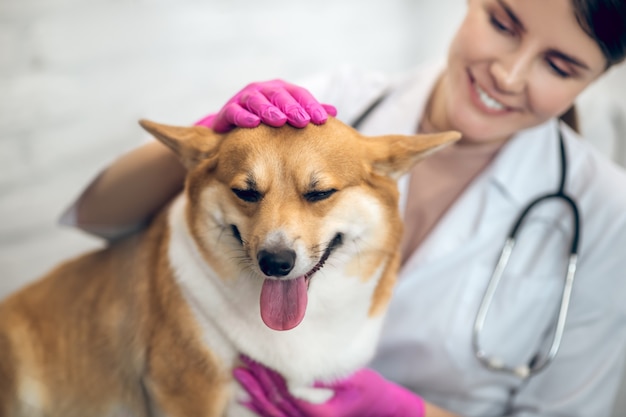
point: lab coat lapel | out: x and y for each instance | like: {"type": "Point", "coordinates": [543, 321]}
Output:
{"type": "Point", "coordinates": [526, 167]}
{"type": "Point", "coordinates": [529, 165]}
{"type": "Point", "coordinates": [401, 111]}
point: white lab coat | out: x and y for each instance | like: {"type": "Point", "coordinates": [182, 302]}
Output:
{"type": "Point", "coordinates": [426, 343]}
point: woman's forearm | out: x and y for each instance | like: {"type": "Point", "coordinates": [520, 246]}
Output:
{"type": "Point", "coordinates": [132, 189]}
{"type": "Point", "coordinates": [431, 410]}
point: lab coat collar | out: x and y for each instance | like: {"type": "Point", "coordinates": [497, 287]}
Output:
{"type": "Point", "coordinates": [526, 167]}
{"type": "Point", "coordinates": [412, 94]}
{"type": "Point", "coordinates": [407, 96]}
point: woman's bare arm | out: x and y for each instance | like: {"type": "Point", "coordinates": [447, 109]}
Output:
{"type": "Point", "coordinates": [434, 411]}
{"type": "Point", "coordinates": [132, 189]}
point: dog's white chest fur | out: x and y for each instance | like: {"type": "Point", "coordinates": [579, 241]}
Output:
{"type": "Point", "coordinates": [336, 337]}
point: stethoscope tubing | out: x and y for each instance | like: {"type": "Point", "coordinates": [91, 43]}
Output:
{"type": "Point", "coordinates": [537, 363]}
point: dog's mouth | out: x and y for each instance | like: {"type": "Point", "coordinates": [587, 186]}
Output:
{"type": "Point", "coordinates": [334, 244]}
{"type": "Point", "coordinates": [283, 301]}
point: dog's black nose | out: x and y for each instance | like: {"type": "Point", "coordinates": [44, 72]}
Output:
{"type": "Point", "coordinates": [276, 263]}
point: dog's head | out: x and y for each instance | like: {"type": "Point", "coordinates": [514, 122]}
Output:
{"type": "Point", "coordinates": [281, 203]}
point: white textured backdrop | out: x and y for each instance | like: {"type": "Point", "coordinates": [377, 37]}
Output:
{"type": "Point", "coordinates": [76, 75]}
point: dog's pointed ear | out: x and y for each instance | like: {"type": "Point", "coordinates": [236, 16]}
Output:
{"type": "Point", "coordinates": [395, 155]}
{"type": "Point", "coordinates": [191, 144]}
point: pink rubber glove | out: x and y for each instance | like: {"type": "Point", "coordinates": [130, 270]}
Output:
{"type": "Point", "coordinates": [274, 103]}
{"type": "Point", "coordinates": [364, 394]}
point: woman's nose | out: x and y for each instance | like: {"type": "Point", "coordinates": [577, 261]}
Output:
{"type": "Point", "coordinates": [511, 72]}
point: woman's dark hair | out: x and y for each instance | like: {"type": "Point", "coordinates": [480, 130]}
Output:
{"type": "Point", "coordinates": [605, 22]}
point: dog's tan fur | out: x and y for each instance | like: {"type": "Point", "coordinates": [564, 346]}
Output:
{"type": "Point", "coordinates": [100, 330]}
{"type": "Point", "coordinates": [110, 333]}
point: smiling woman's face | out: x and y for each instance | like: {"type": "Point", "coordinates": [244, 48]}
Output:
{"type": "Point", "coordinates": [513, 64]}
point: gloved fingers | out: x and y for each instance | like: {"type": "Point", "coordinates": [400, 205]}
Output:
{"type": "Point", "coordinates": [330, 109]}
{"type": "Point", "coordinates": [258, 102]}
{"type": "Point", "coordinates": [250, 405]}
{"type": "Point", "coordinates": [300, 106]}
{"type": "Point", "coordinates": [234, 115]}
{"type": "Point", "coordinates": [283, 100]}
{"type": "Point", "coordinates": [259, 401]}
{"type": "Point", "coordinates": [274, 103]}
{"type": "Point", "coordinates": [258, 398]}
{"type": "Point", "coordinates": [323, 410]}
{"type": "Point", "coordinates": [272, 382]}
{"type": "Point", "coordinates": [317, 112]}
{"type": "Point", "coordinates": [286, 404]}
{"type": "Point", "coordinates": [249, 383]}
{"type": "Point", "coordinates": [269, 413]}
{"type": "Point", "coordinates": [274, 387]}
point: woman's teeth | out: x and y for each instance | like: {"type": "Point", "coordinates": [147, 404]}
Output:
{"type": "Point", "coordinates": [488, 100]}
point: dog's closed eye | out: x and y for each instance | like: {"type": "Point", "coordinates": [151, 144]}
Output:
{"type": "Point", "coordinates": [249, 195]}
{"type": "Point", "coordinates": [314, 196]}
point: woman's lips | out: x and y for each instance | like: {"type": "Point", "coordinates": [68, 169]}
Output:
{"type": "Point", "coordinates": [483, 101]}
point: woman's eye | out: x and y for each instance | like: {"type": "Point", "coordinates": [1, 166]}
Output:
{"type": "Point", "coordinates": [557, 70]}
{"type": "Point", "coordinates": [250, 196]}
{"type": "Point", "coordinates": [314, 196]}
{"type": "Point", "coordinates": [499, 26]}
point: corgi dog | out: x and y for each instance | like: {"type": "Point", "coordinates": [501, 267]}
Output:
{"type": "Point", "coordinates": [283, 246]}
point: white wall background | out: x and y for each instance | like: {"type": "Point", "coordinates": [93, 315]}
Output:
{"type": "Point", "coordinates": [76, 75]}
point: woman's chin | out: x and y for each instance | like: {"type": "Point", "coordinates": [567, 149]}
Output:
{"type": "Point", "coordinates": [476, 133]}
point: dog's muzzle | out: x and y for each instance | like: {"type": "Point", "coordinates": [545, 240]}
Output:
{"type": "Point", "coordinates": [283, 301]}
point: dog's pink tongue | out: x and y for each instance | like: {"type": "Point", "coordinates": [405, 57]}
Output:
{"type": "Point", "coordinates": [283, 302]}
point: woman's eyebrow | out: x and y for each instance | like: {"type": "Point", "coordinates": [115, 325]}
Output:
{"type": "Point", "coordinates": [512, 15]}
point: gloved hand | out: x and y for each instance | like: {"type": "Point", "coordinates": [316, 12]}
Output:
{"type": "Point", "coordinates": [364, 394]}
{"type": "Point", "coordinates": [274, 103]}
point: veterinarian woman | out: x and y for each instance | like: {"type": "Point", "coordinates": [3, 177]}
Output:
{"type": "Point", "coordinates": [513, 68]}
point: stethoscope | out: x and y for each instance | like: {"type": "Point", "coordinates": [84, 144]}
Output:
{"type": "Point", "coordinates": [537, 363]}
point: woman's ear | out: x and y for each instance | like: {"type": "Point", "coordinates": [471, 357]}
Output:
{"type": "Point", "coordinates": [395, 155]}
{"type": "Point", "coordinates": [191, 144]}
